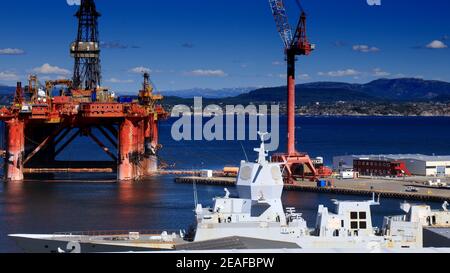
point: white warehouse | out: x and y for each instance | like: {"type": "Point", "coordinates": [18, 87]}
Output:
{"type": "Point", "coordinates": [428, 165]}
{"type": "Point", "coordinates": [417, 164]}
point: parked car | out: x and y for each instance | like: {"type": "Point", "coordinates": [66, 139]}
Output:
{"type": "Point", "coordinates": [436, 183]}
{"type": "Point", "coordinates": [411, 189]}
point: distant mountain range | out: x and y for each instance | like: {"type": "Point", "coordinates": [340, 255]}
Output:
{"type": "Point", "coordinates": [304, 95]}
{"type": "Point", "coordinates": [382, 90]}
{"type": "Point", "coordinates": [393, 90]}
{"type": "Point", "coordinates": [208, 93]}
{"type": "Point", "coordinates": [405, 89]}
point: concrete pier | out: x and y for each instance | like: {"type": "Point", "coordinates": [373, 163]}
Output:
{"type": "Point", "coordinates": [387, 188]}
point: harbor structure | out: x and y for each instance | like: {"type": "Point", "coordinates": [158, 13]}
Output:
{"type": "Point", "coordinates": [415, 164]}
{"type": "Point", "coordinates": [40, 124]}
{"type": "Point", "coordinates": [381, 167]}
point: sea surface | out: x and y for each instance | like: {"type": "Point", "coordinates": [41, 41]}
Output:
{"type": "Point", "coordinates": [86, 202]}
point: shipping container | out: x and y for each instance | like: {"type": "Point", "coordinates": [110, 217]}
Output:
{"type": "Point", "coordinates": [321, 183]}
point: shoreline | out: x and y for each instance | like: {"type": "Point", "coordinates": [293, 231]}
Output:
{"type": "Point", "coordinates": [374, 116]}
{"type": "Point", "coordinates": [324, 116]}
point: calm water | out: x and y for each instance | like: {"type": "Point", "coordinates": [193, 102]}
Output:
{"type": "Point", "coordinates": [159, 203]}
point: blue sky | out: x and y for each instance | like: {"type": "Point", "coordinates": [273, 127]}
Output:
{"type": "Point", "coordinates": [229, 43]}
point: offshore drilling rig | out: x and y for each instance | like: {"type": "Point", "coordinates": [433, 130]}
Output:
{"type": "Point", "coordinates": [40, 124]}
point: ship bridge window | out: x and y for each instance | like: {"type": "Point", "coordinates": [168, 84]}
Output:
{"type": "Point", "coordinates": [359, 220]}
{"type": "Point", "coordinates": [362, 215]}
{"type": "Point", "coordinates": [258, 209]}
{"type": "Point", "coordinates": [363, 225]}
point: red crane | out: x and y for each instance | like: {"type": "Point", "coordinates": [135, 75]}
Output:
{"type": "Point", "coordinates": [297, 165]}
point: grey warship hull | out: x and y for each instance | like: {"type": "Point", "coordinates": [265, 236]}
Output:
{"type": "Point", "coordinates": [50, 244]}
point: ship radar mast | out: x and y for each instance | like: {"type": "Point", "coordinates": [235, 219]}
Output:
{"type": "Point", "coordinates": [262, 149]}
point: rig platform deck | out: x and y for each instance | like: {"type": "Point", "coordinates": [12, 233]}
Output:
{"type": "Point", "coordinates": [40, 126]}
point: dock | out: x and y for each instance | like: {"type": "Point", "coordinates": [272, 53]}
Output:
{"type": "Point", "coordinates": [384, 187]}
{"type": "Point", "coordinates": [216, 181]}
{"type": "Point", "coordinates": [191, 173]}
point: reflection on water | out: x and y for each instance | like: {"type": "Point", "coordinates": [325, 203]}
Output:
{"type": "Point", "coordinates": [46, 207]}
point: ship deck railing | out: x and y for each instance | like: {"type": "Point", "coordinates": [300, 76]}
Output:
{"type": "Point", "coordinates": [116, 233]}
{"type": "Point", "coordinates": [396, 218]}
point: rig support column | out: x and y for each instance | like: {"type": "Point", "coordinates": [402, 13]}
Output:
{"type": "Point", "coordinates": [153, 157]}
{"type": "Point", "coordinates": [155, 133]}
{"type": "Point", "coordinates": [140, 148]}
{"type": "Point", "coordinates": [151, 146]}
{"type": "Point", "coordinates": [126, 135]}
{"type": "Point", "coordinates": [15, 150]}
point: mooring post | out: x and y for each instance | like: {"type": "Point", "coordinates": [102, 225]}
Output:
{"type": "Point", "coordinates": [15, 150]}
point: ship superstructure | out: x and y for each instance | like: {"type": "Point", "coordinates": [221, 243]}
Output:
{"type": "Point", "coordinates": [259, 213]}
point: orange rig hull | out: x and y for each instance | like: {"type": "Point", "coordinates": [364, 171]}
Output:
{"type": "Point", "coordinates": [36, 135]}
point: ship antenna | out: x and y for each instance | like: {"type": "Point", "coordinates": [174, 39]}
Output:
{"type": "Point", "coordinates": [195, 194]}
{"type": "Point", "coordinates": [245, 153]}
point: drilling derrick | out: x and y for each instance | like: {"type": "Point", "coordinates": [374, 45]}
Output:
{"type": "Point", "coordinates": [297, 165]}
{"type": "Point", "coordinates": [86, 48]}
{"type": "Point", "coordinates": [19, 96]}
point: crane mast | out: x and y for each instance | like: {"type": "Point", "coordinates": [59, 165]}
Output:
{"type": "Point", "coordinates": [298, 46]}
{"type": "Point", "coordinates": [296, 164]}
{"type": "Point", "coordinates": [295, 45]}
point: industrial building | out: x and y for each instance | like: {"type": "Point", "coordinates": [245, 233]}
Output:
{"type": "Point", "coordinates": [416, 164]}
{"type": "Point", "coordinates": [381, 167]}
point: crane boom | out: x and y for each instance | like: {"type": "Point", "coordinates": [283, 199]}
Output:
{"type": "Point", "coordinates": [281, 19]}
